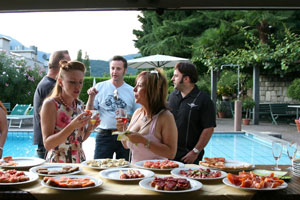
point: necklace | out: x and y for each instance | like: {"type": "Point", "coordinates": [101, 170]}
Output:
{"type": "Point", "coordinates": [64, 103]}
{"type": "Point", "coordinates": [144, 119]}
{"type": "Point", "coordinates": [146, 122]}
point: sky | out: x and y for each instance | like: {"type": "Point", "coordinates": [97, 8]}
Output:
{"type": "Point", "coordinates": [102, 34]}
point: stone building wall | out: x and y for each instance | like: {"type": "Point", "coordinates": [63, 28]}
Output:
{"type": "Point", "coordinates": [274, 90]}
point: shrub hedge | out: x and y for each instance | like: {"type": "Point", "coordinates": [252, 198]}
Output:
{"type": "Point", "coordinates": [88, 82]}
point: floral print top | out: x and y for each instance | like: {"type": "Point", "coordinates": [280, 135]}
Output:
{"type": "Point", "coordinates": [71, 151]}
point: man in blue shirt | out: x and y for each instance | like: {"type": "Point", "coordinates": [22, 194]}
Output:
{"type": "Point", "coordinates": [107, 97]}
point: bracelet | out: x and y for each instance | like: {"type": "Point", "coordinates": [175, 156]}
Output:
{"type": "Point", "coordinates": [147, 145]}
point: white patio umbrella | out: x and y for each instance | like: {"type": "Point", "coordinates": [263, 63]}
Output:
{"type": "Point", "coordinates": [155, 61]}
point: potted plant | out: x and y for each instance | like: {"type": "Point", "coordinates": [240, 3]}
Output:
{"type": "Point", "coordinates": [221, 109]}
{"type": "Point", "coordinates": [227, 85]}
{"type": "Point", "coordinates": [248, 103]}
{"type": "Point", "coordinates": [297, 121]}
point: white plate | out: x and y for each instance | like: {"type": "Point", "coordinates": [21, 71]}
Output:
{"type": "Point", "coordinates": [23, 162]}
{"type": "Point", "coordinates": [176, 172]}
{"type": "Point", "coordinates": [235, 165]}
{"type": "Point", "coordinates": [114, 174]}
{"type": "Point", "coordinates": [140, 164]}
{"type": "Point", "coordinates": [227, 182]}
{"type": "Point", "coordinates": [32, 177]}
{"type": "Point", "coordinates": [53, 167]}
{"type": "Point", "coordinates": [146, 184]}
{"type": "Point", "coordinates": [86, 165]}
{"type": "Point", "coordinates": [264, 172]}
{"type": "Point", "coordinates": [98, 182]}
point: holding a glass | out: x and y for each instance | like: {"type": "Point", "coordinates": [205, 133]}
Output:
{"type": "Point", "coordinates": [122, 114]}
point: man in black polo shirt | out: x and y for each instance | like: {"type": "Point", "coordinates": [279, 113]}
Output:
{"type": "Point", "coordinates": [194, 113]}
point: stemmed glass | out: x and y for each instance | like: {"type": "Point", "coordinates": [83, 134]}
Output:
{"type": "Point", "coordinates": [292, 148]}
{"type": "Point", "coordinates": [277, 150]}
{"type": "Point", "coordinates": [122, 114]}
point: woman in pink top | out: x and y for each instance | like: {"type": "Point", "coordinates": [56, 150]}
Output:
{"type": "Point", "coordinates": [153, 132]}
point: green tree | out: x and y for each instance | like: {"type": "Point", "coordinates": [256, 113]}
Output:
{"type": "Point", "coordinates": [79, 55]}
{"type": "Point", "coordinates": [87, 64]}
{"type": "Point", "coordinates": [213, 38]}
{"type": "Point", "coordinates": [85, 61]}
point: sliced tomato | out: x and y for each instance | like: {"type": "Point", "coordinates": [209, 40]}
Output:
{"type": "Point", "coordinates": [234, 179]}
{"type": "Point", "coordinates": [246, 183]}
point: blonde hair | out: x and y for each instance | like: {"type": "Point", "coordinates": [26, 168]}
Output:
{"type": "Point", "coordinates": [65, 67]}
{"type": "Point", "coordinates": [157, 89]}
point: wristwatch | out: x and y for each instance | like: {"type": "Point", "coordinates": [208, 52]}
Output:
{"type": "Point", "coordinates": [196, 151]}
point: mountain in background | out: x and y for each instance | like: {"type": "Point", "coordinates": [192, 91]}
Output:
{"type": "Point", "coordinates": [101, 67]}
{"type": "Point", "coordinates": [98, 67]}
{"type": "Point", "coordinates": [14, 44]}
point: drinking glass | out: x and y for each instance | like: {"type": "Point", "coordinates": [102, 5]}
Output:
{"type": "Point", "coordinates": [277, 150]}
{"type": "Point", "coordinates": [292, 148]}
{"type": "Point", "coordinates": [122, 113]}
{"type": "Point", "coordinates": [94, 113]}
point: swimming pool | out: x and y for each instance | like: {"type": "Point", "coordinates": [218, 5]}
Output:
{"type": "Point", "coordinates": [242, 147]}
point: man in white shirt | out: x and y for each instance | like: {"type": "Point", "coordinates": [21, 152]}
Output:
{"type": "Point", "coordinates": [107, 97]}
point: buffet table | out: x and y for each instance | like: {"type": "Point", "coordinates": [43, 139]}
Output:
{"type": "Point", "coordinates": [131, 190]}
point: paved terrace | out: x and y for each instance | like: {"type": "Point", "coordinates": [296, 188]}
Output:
{"type": "Point", "coordinates": [287, 132]}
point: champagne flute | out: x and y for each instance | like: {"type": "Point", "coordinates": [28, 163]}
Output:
{"type": "Point", "coordinates": [292, 148]}
{"type": "Point", "coordinates": [276, 150]}
{"type": "Point", "coordinates": [122, 114]}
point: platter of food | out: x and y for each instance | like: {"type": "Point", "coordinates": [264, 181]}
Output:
{"type": "Point", "coordinates": [158, 165]}
{"type": "Point", "coordinates": [126, 174]}
{"type": "Point", "coordinates": [71, 182]}
{"type": "Point", "coordinates": [20, 162]}
{"type": "Point", "coordinates": [14, 177]}
{"type": "Point", "coordinates": [105, 163]}
{"type": "Point", "coordinates": [251, 181]}
{"type": "Point", "coordinates": [226, 165]}
{"type": "Point", "coordinates": [55, 170]}
{"type": "Point", "coordinates": [199, 173]}
{"type": "Point", "coordinates": [169, 184]}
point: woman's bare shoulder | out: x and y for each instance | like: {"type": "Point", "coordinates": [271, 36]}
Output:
{"type": "Point", "coordinates": [166, 115]}
{"type": "Point", "coordinates": [49, 103]}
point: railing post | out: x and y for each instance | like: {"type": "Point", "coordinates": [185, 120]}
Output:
{"type": "Point", "coordinates": [237, 115]}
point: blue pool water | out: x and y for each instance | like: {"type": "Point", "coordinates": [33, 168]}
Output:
{"type": "Point", "coordinates": [242, 147]}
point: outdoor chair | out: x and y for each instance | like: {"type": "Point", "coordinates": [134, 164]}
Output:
{"type": "Point", "coordinates": [19, 113]}
{"type": "Point", "coordinates": [7, 106]}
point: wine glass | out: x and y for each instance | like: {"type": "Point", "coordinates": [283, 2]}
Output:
{"type": "Point", "coordinates": [276, 150]}
{"type": "Point", "coordinates": [122, 114]}
{"type": "Point", "coordinates": [292, 148]}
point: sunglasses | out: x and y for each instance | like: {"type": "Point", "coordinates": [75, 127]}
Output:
{"type": "Point", "coordinates": [116, 97]}
{"type": "Point", "coordinates": [155, 72]}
